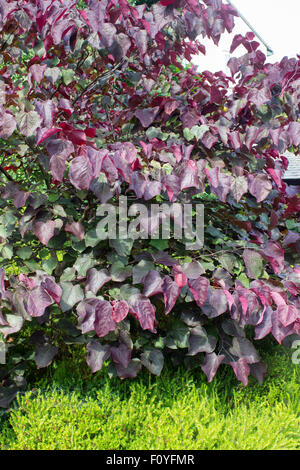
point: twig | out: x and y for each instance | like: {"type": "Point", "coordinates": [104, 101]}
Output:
{"type": "Point", "coordinates": [6, 174]}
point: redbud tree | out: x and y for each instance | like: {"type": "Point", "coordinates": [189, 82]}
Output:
{"type": "Point", "coordinates": [100, 100]}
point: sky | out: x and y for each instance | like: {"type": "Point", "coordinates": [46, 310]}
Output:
{"type": "Point", "coordinates": [277, 21]}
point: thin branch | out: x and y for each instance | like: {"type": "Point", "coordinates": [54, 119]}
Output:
{"type": "Point", "coordinates": [99, 81]}
{"type": "Point", "coordinates": [6, 174]}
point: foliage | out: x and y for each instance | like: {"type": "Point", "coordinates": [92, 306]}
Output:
{"type": "Point", "coordinates": [174, 411]}
{"type": "Point", "coordinates": [97, 103]}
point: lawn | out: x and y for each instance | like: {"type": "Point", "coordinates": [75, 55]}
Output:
{"type": "Point", "coordinates": [178, 410]}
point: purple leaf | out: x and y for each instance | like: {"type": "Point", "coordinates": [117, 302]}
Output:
{"type": "Point", "coordinates": [163, 258]}
{"type": "Point", "coordinates": [147, 116]}
{"type": "Point", "coordinates": [153, 360]}
{"type": "Point", "coordinates": [96, 158]}
{"type": "Point", "coordinates": [52, 289]}
{"type": "Point", "coordinates": [57, 167]}
{"type": "Point", "coordinates": [7, 125]}
{"type": "Point", "coordinates": [45, 133]}
{"type": "Point", "coordinates": [259, 186]}
{"type": "Point", "coordinates": [3, 322]}
{"type": "Point", "coordinates": [274, 254]}
{"type": "Point", "coordinates": [242, 347]}
{"type": "Point", "coordinates": [138, 184]}
{"type": "Point", "coordinates": [46, 110]}
{"type": "Point", "coordinates": [104, 322]}
{"type": "Point", "coordinates": [86, 311]}
{"type": "Point", "coordinates": [121, 355]}
{"type": "Point", "coordinates": [131, 371]}
{"type": "Point", "coordinates": [189, 175]}
{"type": "Point", "coordinates": [286, 314]}
{"type": "Point", "coordinates": [172, 185]}
{"type": "Point", "coordinates": [259, 371]}
{"type": "Point", "coordinates": [44, 355]}
{"type": "Point", "coordinates": [59, 147]}
{"type": "Point", "coordinates": [294, 133]}
{"type": "Point", "coordinates": [241, 370]}
{"type": "Point", "coordinates": [259, 97]}
{"type": "Point", "coordinates": [252, 134]}
{"type": "Point", "coordinates": [141, 39]}
{"type": "Point", "coordinates": [265, 326]}
{"type": "Point", "coordinates": [216, 303]}
{"type": "Point", "coordinates": [96, 279]}
{"type": "Point", "coordinates": [223, 188]}
{"type": "Point", "coordinates": [152, 189]}
{"type": "Point", "coordinates": [171, 291]}
{"type": "Point", "coordinates": [36, 302]}
{"type": "Point", "coordinates": [278, 330]}
{"type": "Point", "coordinates": [14, 324]}
{"type": "Point", "coordinates": [120, 46]}
{"type": "Point", "coordinates": [211, 364]}
{"type": "Point", "coordinates": [81, 172]}
{"type": "Point", "coordinates": [21, 198]}
{"type": "Point", "coordinates": [142, 309]}
{"type": "Point", "coordinates": [209, 140]}
{"type": "Point", "coordinates": [200, 342]}
{"type": "Point", "coordinates": [76, 229]}
{"type": "Point", "coordinates": [189, 118]}
{"type": "Point", "coordinates": [192, 270]}
{"type": "Point", "coordinates": [239, 186]}
{"type": "Point", "coordinates": [97, 354]}
{"type": "Point", "coordinates": [152, 283]}
{"type": "Point", "coordinates": [44, 231]}
{"type": "Point", "coordinates": [107, 34]}
{"type": "Point", "coordinates": [120, 310]}
{"type": "Point", "coordinates": [199, 289]}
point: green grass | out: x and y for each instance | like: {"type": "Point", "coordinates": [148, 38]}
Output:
{"type": "Point", "coordinates": [174, 411]}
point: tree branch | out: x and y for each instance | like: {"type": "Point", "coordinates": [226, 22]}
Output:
{"type": "Point", "coordinates": [6, 174]}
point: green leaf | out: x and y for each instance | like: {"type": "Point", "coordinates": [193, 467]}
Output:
{"type": "Point", "coordinates": [59, 210]}
{"type": "Point", "coordinates": [119, 272]}
{"type": "Point", "coordinates": [28, 122]}
{"type": "Point", "coordinates": [69, 274]}
{"type": "Point", "coordinates": [244, 280]}
{"type": "Point", "coordinates": [25, 252]}
{"type": "Point", "coordinates": [32, 265]}
{"type": "Point", "coordinates": [153, 360]}
{"type": "Point", "coordinates": [3, 231]}
{"type": "Point", "coordinates": [214, 232]}
{"type": "Point", "coordinates": [83, 263]}
{"type": "Point", "coordinates": [49, 265]}
{"type": "Point", "coordinates": [71, 295]}
{"type": "Point", "coordinates": [141, 270]}
{"type": "Point", "coordinates": [160, 244]}
{"type": "Point", "coordinates": [228, 262]}
{"type": "Point", "coordinates": [126, 291]}
{"type": "Point", "coordinates": [122, 247]}
{"type": "Point", "coordinates": [68, 76]}
{"type": "Point", "coordinates": [254, 263]}
{"type": "Point", "coordinates": [7, 251]}
{"type": "Point", "coordinates": [91, 238]}
{"type": "Point", "coordinates": [53, 197]}
{"type": "Point", "coordinates": [195, 131]}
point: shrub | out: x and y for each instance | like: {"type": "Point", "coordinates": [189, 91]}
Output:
{"type": "Point", "coordinates": [100, 100]}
